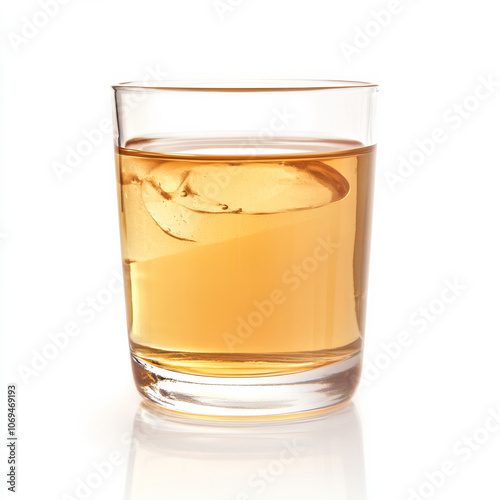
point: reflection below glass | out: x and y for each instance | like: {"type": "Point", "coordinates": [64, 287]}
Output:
{"type": "Point", "coordinates": [320, 458]}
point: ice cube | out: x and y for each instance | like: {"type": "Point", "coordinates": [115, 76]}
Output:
{"type": "Point", "coordinates": [206, 201]}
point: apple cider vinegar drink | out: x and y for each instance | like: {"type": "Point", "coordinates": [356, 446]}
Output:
{"type": "Point", "coordinates": [245, 266]}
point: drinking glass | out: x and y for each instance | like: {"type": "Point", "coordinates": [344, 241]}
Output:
{"type": "Point", "coordinates": [245, 214]}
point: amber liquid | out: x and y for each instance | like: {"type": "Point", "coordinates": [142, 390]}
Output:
{"type": "Point", "coordinates": [245, 265]}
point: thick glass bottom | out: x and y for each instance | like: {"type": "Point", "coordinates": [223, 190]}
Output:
{"type": "Point", "coordinates": [270, 396]}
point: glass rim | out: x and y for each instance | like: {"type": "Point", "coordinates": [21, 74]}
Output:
{"type": "Point", "coordinates": [281, 85]}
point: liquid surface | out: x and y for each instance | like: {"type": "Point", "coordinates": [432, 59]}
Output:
{"type": "Point", "coordinates": [245, 265]}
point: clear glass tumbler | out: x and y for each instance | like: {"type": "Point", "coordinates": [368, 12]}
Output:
{"type": "Point", "coordinates": [245, 223]}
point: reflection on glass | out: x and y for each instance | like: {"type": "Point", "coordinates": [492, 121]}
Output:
{"type": "Point", "coordinates": [314, 459]}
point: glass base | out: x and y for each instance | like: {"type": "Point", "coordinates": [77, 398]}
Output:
{"type": "Point", "coordinates": [270, 396]}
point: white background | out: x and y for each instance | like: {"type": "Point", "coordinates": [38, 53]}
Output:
{"type": "Point", "coordinates": [60, 244]}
